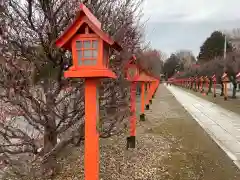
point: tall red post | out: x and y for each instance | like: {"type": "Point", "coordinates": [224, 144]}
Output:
{"type": "Point", "coordinates": [148, 96]}
{"type": "Point", "coordinates": [151, 92]}
{"type": "Point", "coordinates": [214, 85]}
{"type": "Point", "coordinates": [91, 144]}
{"type": "Point", "coordinates": [142, 115]}
{"type": "Point", "coordinates": [133, 110]}
{"type": "Point", "coordinates": [131, 140]}
{"type": "Point", "coordinates": [201, 85]}
{"type": "Point", "coordinates": [214, 89]}
{"type": "Point", "coordinates": [155, 86]}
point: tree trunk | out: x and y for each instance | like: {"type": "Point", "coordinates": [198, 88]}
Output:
{"type": "Point", "coordinates": [50, 138]}
{"type": "Point", "coordinates": [50, 141]}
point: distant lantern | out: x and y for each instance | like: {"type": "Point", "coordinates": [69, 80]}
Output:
{"type": "Point", "coordinates": [132, 70]}
{"type": "Point", "coordinates": [90, 46]}
{"type": "Point", "coordinates": [238, 77]}
{"type": "Point", "coordinates": [225, 77]}
{"type": "Point", "coordinates": [214, 79]}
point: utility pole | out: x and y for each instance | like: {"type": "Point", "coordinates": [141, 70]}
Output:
{"type": "Point", "coordinates": [225, 46]}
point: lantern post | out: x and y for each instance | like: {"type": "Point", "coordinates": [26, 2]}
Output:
{"type": "Point", "coordinates": [150, 90]}
{"type": "Point", "coordinates": [205, 82]}
{"type": "Point", "coordinates": [156, 84]}
{"type": "Point", "coordinates": [148, 96]}
{"type": "Point", "coordinates": [142, 115]}
{"type": "Point", "coordinates": [201, 85]}
{"type": "Point", "coordinates": [214, 80]}
{"type": "Point", "coordinates": [191, 83]}
{"type": "Point", "coordinates": [238, 78]}
{"type": "Point", "coordinates": [132, 73]}
{"type": "Point", "coordinates": [225, 80]}
{"type": "Point", "coordinates": [90, 47]}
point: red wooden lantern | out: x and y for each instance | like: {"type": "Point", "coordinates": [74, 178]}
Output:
{"type": "Point", "coordinates": [201, 84]}
{"type": "Point", "coordinates": [206, 84]}
{"type": "Point", "coordinates": [225, 80]}
{"type": "Point", "coordinates": [197, 84]}
{"type": "Point", "coordinates": [131, 69]}
{"type": "Point", "coordinates": [238, 77]}
{"type": "Point", "coordinates": [131, 73]}
{"type": "Point", "coordinates": [214, 80]}
{"type": "Point", "coordinates": [89, 45]}
{"type": "Point", "coordinates": [90, 48]}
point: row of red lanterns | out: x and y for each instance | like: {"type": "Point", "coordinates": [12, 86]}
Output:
{"type": "Point", "coordinates": [135, 74]}
{"type": "Point", "coordinates": [202, 81]}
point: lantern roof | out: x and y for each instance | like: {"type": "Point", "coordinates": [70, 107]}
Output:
{"type": "Point", "coordinates": [238, 75]}
{"type": "Point", "coordinates": [132, 61]}
{"type": "Point", "coordinates": [144, 77]}
{"type": "Point", "coordinates": [84, 16]}
{"type": "Point", "coordinates": [224, 75]}
{"type": "Point", "coordinates": [152, 78]}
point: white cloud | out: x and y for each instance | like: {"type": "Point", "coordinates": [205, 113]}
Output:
{"type": "Point", "coordinates": [185, 24]}
{"type": "Point", "coordinates": [191, 10]}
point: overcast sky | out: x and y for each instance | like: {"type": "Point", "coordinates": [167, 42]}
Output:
{"type": "Point", "coordinates": [185, 24]}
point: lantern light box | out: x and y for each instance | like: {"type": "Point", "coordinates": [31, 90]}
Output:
{"type": "Point", "coordinates": [89, 45]}
{"type": "Point", "coordinates": [132, 70]}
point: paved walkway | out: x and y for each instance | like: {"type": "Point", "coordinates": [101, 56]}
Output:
{"type": "Point", "coordinates": [222, 125]}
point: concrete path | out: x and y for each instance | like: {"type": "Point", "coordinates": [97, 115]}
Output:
{"type": "Point", "coordinates": [222, 125]}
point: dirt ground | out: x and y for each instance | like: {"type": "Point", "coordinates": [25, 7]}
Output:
{"type": "Point", "coordinates": [170, 146]}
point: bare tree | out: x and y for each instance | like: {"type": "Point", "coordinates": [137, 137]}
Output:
{"type": "Point", "coordinates": [232, 67]}
{"type": "Point", "coordinates": [32, 81]}
{"type": "Point", "coordinates": [186, 58]}
{"type": "Point", "coordinates": [234, 38]}
{"type": "Point", "coordinates": [152, 60]}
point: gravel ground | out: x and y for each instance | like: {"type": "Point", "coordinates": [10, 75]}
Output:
{"type": "Point", "coordinates": [170, 146]}
{"type": "Point", "coordinates": [141, 163]}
